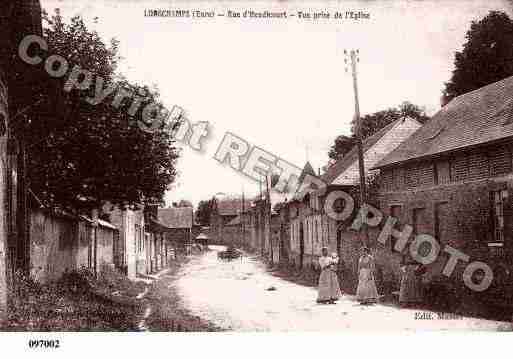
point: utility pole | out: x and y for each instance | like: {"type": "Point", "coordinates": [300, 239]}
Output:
{"type": "Point", "coordinates": [4, 217]}
{"type": "Point", "coordinates": [242, 220]}
{"type": "Point", "coordinates": [268, 205]}
{"type": "Point", "coordinates": [354, 58]}
{"type": "Point", "coordinates": [261, 224]}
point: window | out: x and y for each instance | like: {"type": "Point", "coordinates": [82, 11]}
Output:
{"type": "Point", "coordinates": [497, 200]}
{"type": "Point", "coordinates": [459, 168]}
{"type": "Point", "coordinates": [397, 179]}
{"type": "Point", "coordinates": [442, 172]}
{"type": "Point", "coordinates": [500, 161]}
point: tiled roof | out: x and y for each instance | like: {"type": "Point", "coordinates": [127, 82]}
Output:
{"type": "Point", "coordinates": [231, 206]}
{"type": "Point", "coordinates": [346, 171]}
{"type": "Point", "coordinates": [176, 217]}
{"type": "Point", "coordinates": [477, 117]}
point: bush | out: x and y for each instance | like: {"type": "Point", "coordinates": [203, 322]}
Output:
{"type": "Point", "coordinates": [77, 282]}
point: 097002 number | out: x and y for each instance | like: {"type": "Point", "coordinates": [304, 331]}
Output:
{"type": "Point", "coordinates": [44, 344]}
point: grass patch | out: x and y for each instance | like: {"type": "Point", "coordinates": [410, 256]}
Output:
{"type": "Point", "coordinates": [78, 301]}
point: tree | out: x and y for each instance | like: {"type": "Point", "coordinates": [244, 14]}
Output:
{"type": "Point", "coordinates": [82, 155]}
{"type": "Point", "coordinates": [487, 56]}
{"type": "Point", "coordinates": [374, 122]}
{"type": "Point", "coordinates": [203, 212]}
{"type": "Point", "coordinates": [342, 145]}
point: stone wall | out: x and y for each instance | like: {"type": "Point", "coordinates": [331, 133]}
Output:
{"type": "Point", "coordinates": [61, 243]}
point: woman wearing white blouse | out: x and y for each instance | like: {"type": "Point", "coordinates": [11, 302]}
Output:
{"type": "Point", "coordinates": [329, 289]}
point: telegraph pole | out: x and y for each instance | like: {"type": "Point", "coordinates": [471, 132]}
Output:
{"type": "Point", "coordinates": [268, 205]}
{"type": "Point", "coordinates": [354, 58]}
{"type": "Point", "coordinates": [242, 220]}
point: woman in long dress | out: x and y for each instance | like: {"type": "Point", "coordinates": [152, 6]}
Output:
{"type": "Point", "coordinates": [366, 292]}
{"type": "Point", "coordinates": [411, 283]}
{"type": "Point", "coordinates": [329, 289]}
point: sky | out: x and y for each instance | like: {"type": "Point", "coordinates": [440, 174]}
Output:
{"type": "Point", "coordinates": [281, 84]}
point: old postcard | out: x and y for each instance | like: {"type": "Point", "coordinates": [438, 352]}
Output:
{"type": "Point", "coordinates": [248, 166]}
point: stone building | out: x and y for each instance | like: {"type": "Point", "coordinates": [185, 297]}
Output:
{"type": "Point", "coordinates": [224, 211]}
{"type": "Point", "coordinates": [453, 179]}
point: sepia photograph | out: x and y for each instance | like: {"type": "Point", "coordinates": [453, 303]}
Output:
{"type": "Point", "coordinates": [214, 166]}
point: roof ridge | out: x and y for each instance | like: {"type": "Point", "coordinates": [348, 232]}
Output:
{"type": "Point", "coordinates": [480, 89]}
{"type": "Point", "coordinates": [330, 176]}
{"type": "Point", "coordinates": [468, 120]}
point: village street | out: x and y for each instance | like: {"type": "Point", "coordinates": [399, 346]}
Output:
{"type": "Point", "coordinates": [234, 296]}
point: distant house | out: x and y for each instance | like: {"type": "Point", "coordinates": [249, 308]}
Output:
{"type": "Point", "coordinates": [311, 228]}
{"type": "Point", "coordinates": [224, 226]}
{"type": "Point", "coordinates": [228, 208]}
{"type": "Point", "coordinates": [453, 179]}
{"type": "Point", "coordinates": [179, 223]}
